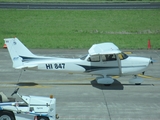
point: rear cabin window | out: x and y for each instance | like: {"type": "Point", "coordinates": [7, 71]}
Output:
{"type": "Point", "coordinates": [94, 58]}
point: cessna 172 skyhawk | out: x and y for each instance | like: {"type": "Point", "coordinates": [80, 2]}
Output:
{"type": "Point", "coordinates": [104, 59]}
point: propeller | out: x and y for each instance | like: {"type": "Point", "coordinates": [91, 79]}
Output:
{"type": "Point", "coordinates": [151, 60]}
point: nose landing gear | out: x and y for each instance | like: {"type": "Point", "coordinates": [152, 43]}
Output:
{"type": "Point", "coordinates": [136, 80]}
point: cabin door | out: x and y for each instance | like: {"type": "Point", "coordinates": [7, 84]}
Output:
{"type": "Point", "coordinates": [111, 63]}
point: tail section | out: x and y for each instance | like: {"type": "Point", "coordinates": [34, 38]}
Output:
{"type": "Point", "coordinates": [17, 50]}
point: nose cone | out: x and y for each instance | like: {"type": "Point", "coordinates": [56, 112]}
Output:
{"type": "Point", "coordinates": [143, 61]}
{"type": "Point", "coordinates": [151, 61]}
{"type": "Point", "coordinates": [141, 64]}
{"type": "Point", "coordinates": [135, 65]}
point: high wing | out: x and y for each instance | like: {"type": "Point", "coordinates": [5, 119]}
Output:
{"type": "Point", "coordinates": [104, 48]}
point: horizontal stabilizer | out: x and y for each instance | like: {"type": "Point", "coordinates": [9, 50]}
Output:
{"type": "Point", "coordinates": [26, 66]}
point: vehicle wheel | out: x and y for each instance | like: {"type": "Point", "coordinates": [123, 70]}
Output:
{"type": "Point", "coordinates": [137, 83]}
{"type": "Point", "coordinates": [42, 118]}
{"type": "Point", "coordinates": [6, 116]}
{"type": "Point", "coordinates": [57, 117]}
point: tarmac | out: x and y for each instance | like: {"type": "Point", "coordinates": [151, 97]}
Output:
{"type": "Point", "coordinates": [79, 97]}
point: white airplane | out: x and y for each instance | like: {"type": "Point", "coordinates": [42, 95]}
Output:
{"type": "Point", "coordinates": [104, 59]}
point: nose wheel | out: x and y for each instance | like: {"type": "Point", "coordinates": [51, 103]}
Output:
{"type": "Point", "coordinates": [136, 80]}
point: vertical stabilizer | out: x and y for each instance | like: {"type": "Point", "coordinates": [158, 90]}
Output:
{"type": "Point", "coordinates": [17, 50]}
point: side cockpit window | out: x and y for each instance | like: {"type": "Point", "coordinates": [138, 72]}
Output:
{"type": "Point", "coordinates": [122, 56]}
{"type": "Point", "coordinates": [94, 58]}
{"type": "Point", "coordinates": [109, 57]}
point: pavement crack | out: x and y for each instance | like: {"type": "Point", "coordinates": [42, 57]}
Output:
{"type": "Point", "coordinates": [106, 103]}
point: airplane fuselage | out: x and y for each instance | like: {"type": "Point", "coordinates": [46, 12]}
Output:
{"type": "Point", "coordinates": [130, 65]}
{"type": "Point", "coordinates": [104, 59]}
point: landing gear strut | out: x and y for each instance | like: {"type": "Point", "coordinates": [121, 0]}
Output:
{"type": "Point", "coordinates": [136, 80]}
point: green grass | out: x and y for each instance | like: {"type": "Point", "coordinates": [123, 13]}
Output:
{"type": "Point", "coordinates": [72, 29]}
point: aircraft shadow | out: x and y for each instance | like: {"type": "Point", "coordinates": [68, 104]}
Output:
{"type": "Point", "coordinates": [115, 86]}
{"type": "Point", "coordinates": [27, 84]}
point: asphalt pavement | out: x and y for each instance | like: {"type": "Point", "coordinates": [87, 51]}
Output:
{"type": "Point", "coordinates": [79, 97]}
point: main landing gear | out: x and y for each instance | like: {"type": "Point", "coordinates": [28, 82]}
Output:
{"type": "Point", "coordinates": [104, 80]}
{"type": "Point", "coordinates": [107, 81]}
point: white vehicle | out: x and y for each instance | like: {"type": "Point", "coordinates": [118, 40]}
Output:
{"type": "Point", "coordinates": [104, 59]}
{"type": "Point", "coordinates": [41, 108]}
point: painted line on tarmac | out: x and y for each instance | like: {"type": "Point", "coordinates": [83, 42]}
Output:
{"type": "Point", "coordinates": [128, 52]}
{"type": "Point", "coordinates": [65, 83]}
{"type": "Point", "coordinates": [115, 77]}
{"type": "Point", "coordinates": [40, 84]}
{"type": "Point", "coordinates": [37, 86]}
{"type": "Point", "coordinates": [143, 76]}
{"type": "Point", "coordinates": [148, 77]}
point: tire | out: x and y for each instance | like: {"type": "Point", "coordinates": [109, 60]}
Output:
{"type": "Point", "coordinates": [1, 99]}
{"type": "Point", "coordinates": [42, 118]}
{"type": "Point", "coordinates": [5, 115]}
{"type": "Point", "coordinates": [137, 83]}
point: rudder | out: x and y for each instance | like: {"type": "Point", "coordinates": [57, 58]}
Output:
{"type": "Point", "coordinates": [17, 50]}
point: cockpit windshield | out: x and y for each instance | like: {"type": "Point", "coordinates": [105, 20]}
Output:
{"type": "Point", "coordinates": [122, 56]}
{"type": "Point", "coordinates": [84, 57]}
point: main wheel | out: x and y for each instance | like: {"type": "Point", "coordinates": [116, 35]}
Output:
{"type": "Point", "coordinates": [6, 116]}
{"type": "Point", "coordinates": [1, 99]}
{"type": "Point", "coordinates": [137, 83]}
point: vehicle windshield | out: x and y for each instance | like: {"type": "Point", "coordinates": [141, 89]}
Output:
{"type": "Point", "coordinates": [122, 56]}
